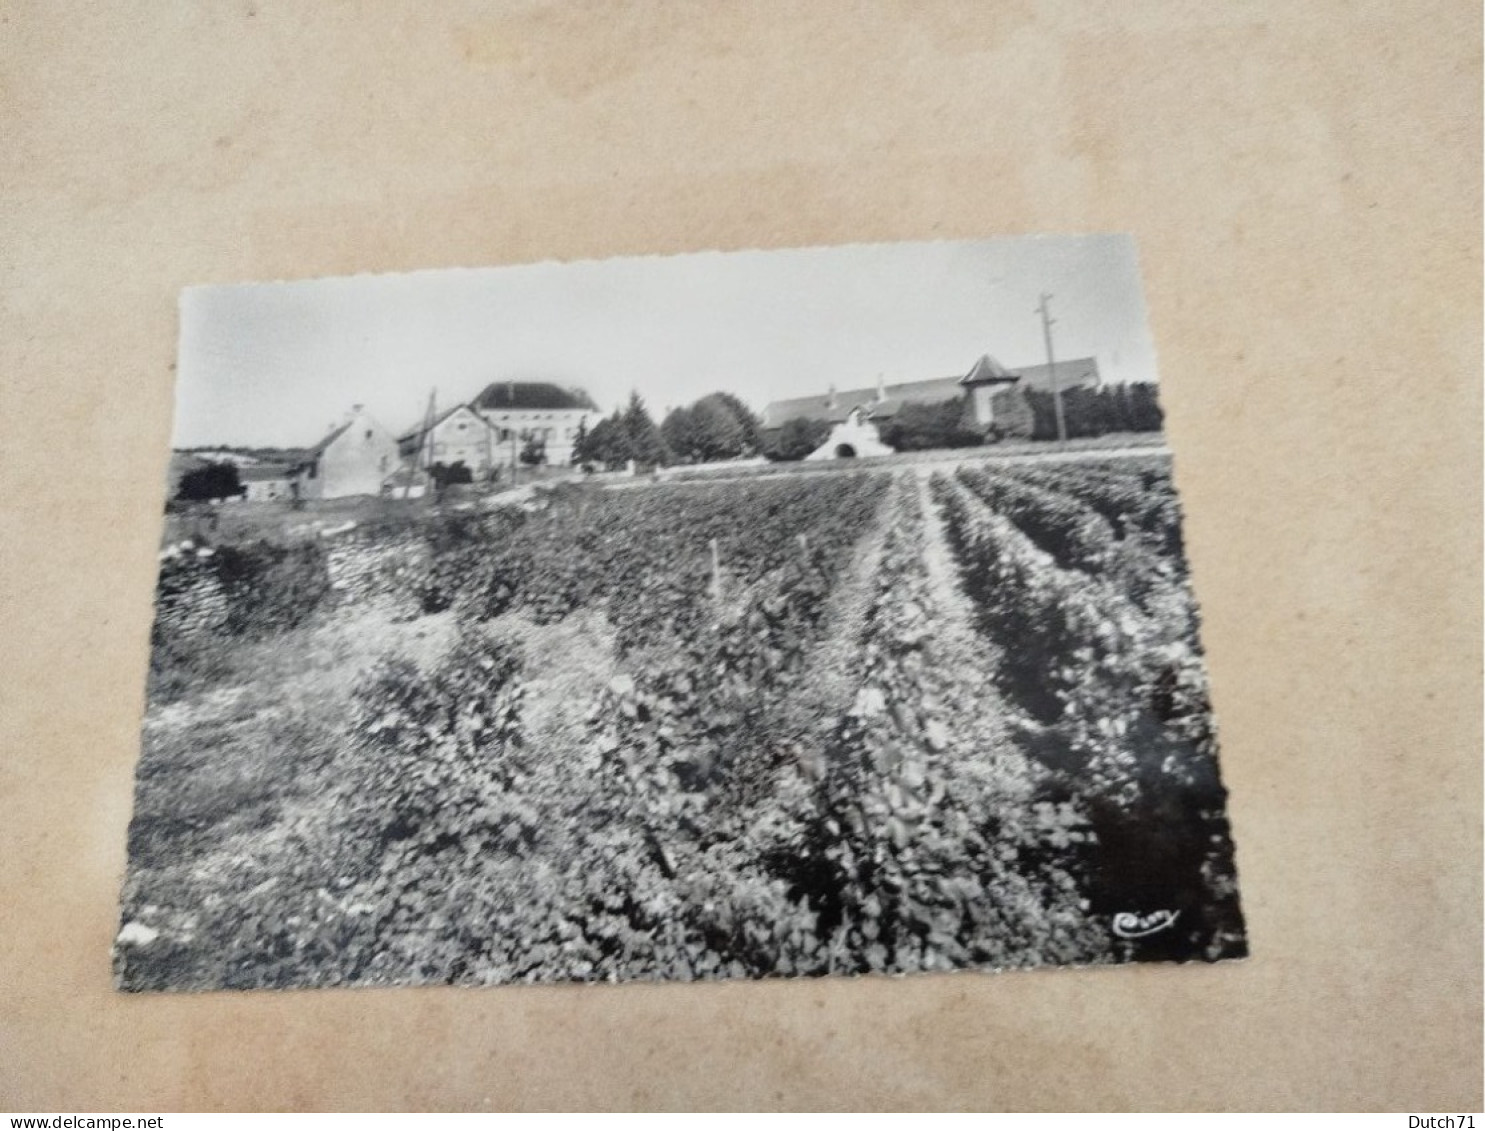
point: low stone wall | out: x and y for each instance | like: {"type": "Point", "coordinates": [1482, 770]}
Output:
{"type": "Point", "coordinates": [366, 567]}
{"type": "Point", "coordinates": [192, 597]}
{"type": "Point", "coordinates": [189, 598]}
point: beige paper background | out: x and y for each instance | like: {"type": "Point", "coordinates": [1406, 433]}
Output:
{"type": "Point", "coordinates": [1304, 182]}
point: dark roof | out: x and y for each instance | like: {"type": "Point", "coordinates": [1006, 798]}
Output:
{"type": "Point", "coordinates": [418, 432]}
{"type": "Point", "coordinates": [531, 394]}
{"type": "Point", "coordinates": [1071, 373]}
{"type": "Point", "coordinates": [334, 435]}
{"type": "Point", "coordinates": [834, 409]}
{"type": "Point", "coordinates": [986, 369]}
{"type": "Point", "coordinates": [358, 417]}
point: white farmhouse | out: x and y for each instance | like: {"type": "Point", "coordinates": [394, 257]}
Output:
{"type": "Point", "coordinates": [491, 431]}
{"type": "Point", "coordinates": [354, 459]}
{"type": "Point", "coordinates": [526, 410]}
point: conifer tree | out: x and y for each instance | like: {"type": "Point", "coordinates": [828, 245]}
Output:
{"type": "Point", "coordinates": [580, 454]}
{"type": "Point", "coordinates": [646, 444]}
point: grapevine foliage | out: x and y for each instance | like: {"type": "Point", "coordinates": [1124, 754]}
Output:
{"type": "Point", "coordinates": [1116, 697]}
{"type": "Point", "coordinates": [1015, 743]}
{"type": "Point", "coordinates": [913, 863]}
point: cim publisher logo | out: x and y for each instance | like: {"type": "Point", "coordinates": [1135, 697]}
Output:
{"type": "Point", "coordinates": [1136, 925]}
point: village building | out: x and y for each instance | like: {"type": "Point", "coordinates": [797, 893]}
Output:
{"type": "Point", "coordinates": [492, 430]}
{"type": "Point", "coordinates": [354, 459]}
{"type": "Point", "coordinates": [993, 397]}
{"type": "Point", "coordinates": [268, 483]}
{"type": "Point", "coordinates": [854, 437]}
{"type": "Point", "coordinates": [459, 438]}
{"type": "Point", "coordinates": [526, 410]}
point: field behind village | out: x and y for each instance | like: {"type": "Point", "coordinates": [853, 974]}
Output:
{"type": "Point", "coordinates": [926, 716]}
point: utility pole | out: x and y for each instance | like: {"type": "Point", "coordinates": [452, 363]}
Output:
{"type": "Point", "coordinates": [425, 448]}
{"type": "Point", "coordinates": [1047, 321]}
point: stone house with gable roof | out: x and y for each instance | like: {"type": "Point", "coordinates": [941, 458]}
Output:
{"type": "Point", "coordinates": [490, 430]}
{"type": "Point", "coordinates": [354, 459]}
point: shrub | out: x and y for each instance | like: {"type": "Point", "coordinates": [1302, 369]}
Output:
{"type": "Point", "coordinates": [920, 427]}
{"type": "Point", "coordinates": [210, 483]}
{"type": "Point", "coordinates": [796, 438]}
{"type": "Point", "coordinates": [271, 588]}
{"type": "Point", "coordinates": [534, 451]}
{"type": "Point", "coordinates": [181, 664]}
{"type": "Point", "coordinates": [445, 747]}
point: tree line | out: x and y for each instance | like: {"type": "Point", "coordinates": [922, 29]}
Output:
{"type": "Point", "coordinates": [1096, 412]}
{"type": "Point", "coordinates": [720, 426]}
{"type": "Point", "coordinates": [917, 427]}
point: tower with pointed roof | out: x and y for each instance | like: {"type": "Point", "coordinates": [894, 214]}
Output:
{"type": "Point", "coordinates": [985, 379]}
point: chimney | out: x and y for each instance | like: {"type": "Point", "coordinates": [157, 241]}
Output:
{"type": "Point", "coordinates": [830, 400]}
{"type": "Point", "coordinates": [881, 389]}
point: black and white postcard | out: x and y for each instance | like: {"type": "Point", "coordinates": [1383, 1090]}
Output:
{"type": "Point", "coordinates": [727, 615]}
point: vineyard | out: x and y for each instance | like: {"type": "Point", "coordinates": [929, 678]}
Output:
{"type": "Point", "coordinates": [889, 721]}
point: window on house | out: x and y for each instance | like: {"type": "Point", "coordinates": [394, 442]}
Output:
{"type": "Point", "coordinates": [368, 433]}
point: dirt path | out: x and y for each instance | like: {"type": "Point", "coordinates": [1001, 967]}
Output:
{"type": "Point", "coordinates": [829, 678]}
{"type": "Point", "coordinates": [962, 661]}
{"type": "Point", "coordinates": [943, 575]}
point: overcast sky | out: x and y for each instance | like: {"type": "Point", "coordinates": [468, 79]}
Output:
{"type": "Point", "coordinates": [276, 364]}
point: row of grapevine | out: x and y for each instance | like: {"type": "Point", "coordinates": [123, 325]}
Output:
{"type": "Point", "coordinates": [1079, 537]}
{"type": "Point", "coordinates": [1057, 622]}
{"type": "Point", "coordinates": [924, 848]}
{"type": "Point", "coordinates": [1075, 536]}
{"type": "Point", "coordinates": [1120, 700]}
{"type": "Point", "coordinates": [646, 556]}
{"type": "Point", "coordinates": [607, 861]}
{"type": "Point", "coordinates": [1136, 497]}
{"type": "Point", "coordinates": [687, 749]}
